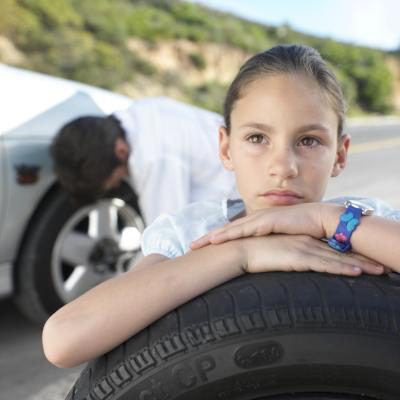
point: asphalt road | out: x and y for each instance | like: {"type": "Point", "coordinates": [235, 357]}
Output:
{"type": "Point", "coordinates": [373, 170]}
{"type": "Point", "coordinates": [25, 374]}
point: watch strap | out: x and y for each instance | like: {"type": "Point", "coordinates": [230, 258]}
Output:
{"type": "Point", "coordinates": [348, 223]}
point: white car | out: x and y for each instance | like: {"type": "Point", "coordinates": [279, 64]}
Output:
{"type": "Point", "coordinates": [50, 250]}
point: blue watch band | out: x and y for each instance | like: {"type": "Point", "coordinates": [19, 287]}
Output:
{"type": "Point", "coordinates": [348, 223]}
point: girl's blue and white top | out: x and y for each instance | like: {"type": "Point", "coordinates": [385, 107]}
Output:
{"type": "Point", "coordinates": [171, 234]}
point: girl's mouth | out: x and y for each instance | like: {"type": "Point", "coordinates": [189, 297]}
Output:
{"type": "Point", "coordinates": [282, 197]}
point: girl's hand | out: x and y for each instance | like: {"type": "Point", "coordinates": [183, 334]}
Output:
{"type": "Point", "coordinates": [302, 253]}
{"type": "Point", "coordinates": [302, 219]}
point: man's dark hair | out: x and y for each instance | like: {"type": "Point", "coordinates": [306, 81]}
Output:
{"type": "Point", "coordinates": [84, 156]}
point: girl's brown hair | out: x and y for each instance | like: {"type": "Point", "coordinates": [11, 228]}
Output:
{"type": "Point", "coordinates": [287, 59]}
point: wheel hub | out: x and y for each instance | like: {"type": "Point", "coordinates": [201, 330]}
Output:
{"type": "Point", "coordinates": [96, 243]}
{"type": "Point", "coordinates": [105, 255]}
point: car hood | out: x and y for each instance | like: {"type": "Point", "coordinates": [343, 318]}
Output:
{"type": "Point", "coordinates": [47, 124]}
{"type": "Point", "coordinates": [27, 95]}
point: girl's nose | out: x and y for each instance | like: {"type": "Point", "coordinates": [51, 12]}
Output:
{"type": "Point", "coordinates": [282, 163]}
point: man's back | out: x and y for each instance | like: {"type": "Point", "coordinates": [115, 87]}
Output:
{"type": "Point", "coordinates": [174, 159]}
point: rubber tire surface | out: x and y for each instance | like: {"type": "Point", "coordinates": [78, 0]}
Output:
{"type": "Point", "coordinates": [262, 336]}
{"type": "Point", "coordinates": [35, 293]}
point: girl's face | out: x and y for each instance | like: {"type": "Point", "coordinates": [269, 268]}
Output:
{"type": "Point", "coordinates": [283, 144]}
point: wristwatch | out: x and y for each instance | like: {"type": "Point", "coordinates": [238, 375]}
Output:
{"type": "Point", "coordinates": [348, 223]}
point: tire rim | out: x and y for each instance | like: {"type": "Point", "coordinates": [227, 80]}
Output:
{"type": "Point", "coordinates": [96, 243]}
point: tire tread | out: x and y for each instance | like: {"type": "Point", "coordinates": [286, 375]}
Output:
{"type": "Point", "coordinates": [273, 303]}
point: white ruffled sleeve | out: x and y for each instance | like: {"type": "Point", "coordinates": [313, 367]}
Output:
{"type": "Point", "coordinates": [387, 211]}
{"type": "Point", "coordinates": [161, 237]}
{"type": "Point", "coordinates": [381, 208]}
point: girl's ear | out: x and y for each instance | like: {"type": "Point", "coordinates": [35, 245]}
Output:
{"type": "Point", "coordinates": [121, 149]}
{"type": "Point", "coordinates": [341, 155]}
{"type": "Point", "coordinates": [224, 148]}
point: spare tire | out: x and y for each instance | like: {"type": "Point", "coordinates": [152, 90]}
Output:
{"type": "Point", "coordinates": [262, 336]}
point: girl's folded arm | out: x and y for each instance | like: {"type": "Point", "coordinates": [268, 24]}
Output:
{"type": "Point", "coordinates": [376, 237]}
{"type": "Point", "coordinates": [113, 311]}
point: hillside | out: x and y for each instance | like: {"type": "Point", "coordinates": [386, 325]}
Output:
{"type": "Point", "coordinates": [174, 48]}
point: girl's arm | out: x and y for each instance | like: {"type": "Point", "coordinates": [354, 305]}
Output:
{"type": "Point", "coordinates": [113, 311]}
{"type": "Point", "coordinates": [376, 237]}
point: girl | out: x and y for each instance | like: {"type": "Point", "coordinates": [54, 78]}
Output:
{"type": "Point", "coordinates": [283, 138]}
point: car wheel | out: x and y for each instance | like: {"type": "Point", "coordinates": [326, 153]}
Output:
{"type": "Point", "coordinates": [275, 336]}
{"type": "Point", "coordinates": [69, 250]}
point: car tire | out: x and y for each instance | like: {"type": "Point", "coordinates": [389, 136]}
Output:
{"type": "Point", "coordinates": [42, 275]}
{"type": "Point", "coordinates": [275, 336]}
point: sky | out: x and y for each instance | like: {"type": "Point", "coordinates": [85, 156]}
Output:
{"type": "Point", "coordinates": [374, 23]}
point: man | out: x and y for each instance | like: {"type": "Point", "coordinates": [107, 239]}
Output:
{"type": "Point", "coordinates": [168, 149]}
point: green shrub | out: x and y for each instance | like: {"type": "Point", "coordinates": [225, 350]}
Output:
{"type": "Point", "coordinates": [7, 16]}
{"type": "Point", "coordinates": [172, 79]}
{"type": "Point", "coordinates": [367, 70]}
{"type": "Point", "coordinates": [141, 66]}
{"type": "Point", "coordinates": [53, 13]}
{"type": "Point", "coordinates": [210, 95]}
{"type": "Point", "coordinates": [105, 19]}
{"type": "Point", "coordinates": [348, 86]}
{"type": "Point", "coordinates": [149, 23]}
{"type": "Point", "coordinates": [198, 60]}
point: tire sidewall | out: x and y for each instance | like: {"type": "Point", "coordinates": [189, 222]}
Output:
{"type": "Point", "coordinates": [262, 336]}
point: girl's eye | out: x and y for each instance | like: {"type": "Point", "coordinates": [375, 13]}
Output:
{"type": "Point", "coordinates": [309, 141]}
{"type": "Point", "coordinates": [257, 138]}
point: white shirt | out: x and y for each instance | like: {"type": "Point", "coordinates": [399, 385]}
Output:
{"type": "Point", "coordinates": [171, 235]}
{"type": "Point", "coordinates": [174, 159]}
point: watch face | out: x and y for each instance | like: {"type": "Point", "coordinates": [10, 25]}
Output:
{"type": "Point", "coordinates": [366, 210]}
